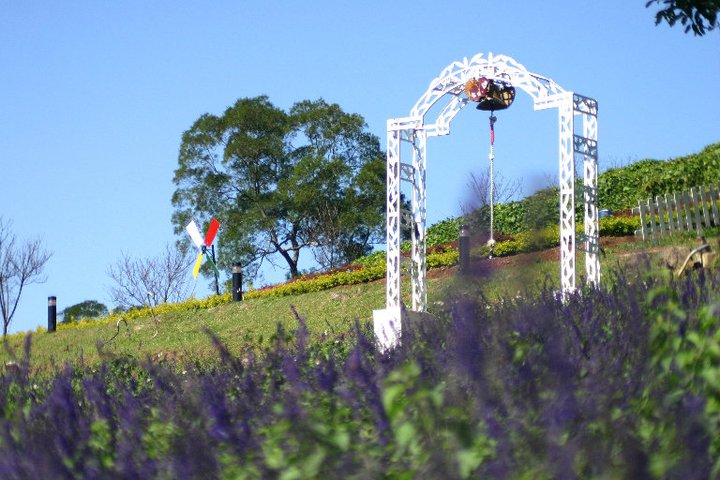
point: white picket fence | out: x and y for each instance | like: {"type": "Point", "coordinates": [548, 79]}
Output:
{"type": "Point", "coordinates": [688, 211]}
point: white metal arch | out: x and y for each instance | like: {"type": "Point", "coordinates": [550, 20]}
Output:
{"type": "Point", "coordinates": [414, 129]}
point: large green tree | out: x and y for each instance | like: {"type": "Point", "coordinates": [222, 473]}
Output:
{"type": "Point", "coordinates": [282, 182]}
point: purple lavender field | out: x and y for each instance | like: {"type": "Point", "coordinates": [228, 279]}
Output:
{"type": "Point", "coordinates": [622, 382]}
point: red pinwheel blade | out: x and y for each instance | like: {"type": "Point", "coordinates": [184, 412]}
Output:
{"type": "Point", "coordinates": [212, 231]}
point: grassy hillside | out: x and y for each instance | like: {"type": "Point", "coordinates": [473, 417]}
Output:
{"type": "Point", "coordinates": [331, 314]}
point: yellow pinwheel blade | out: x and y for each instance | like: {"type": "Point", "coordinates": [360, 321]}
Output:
{"type": "Point", "coordinates": [198, 262]}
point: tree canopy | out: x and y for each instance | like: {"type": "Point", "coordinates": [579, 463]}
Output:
{"type": "Point", "coordinates": [700, 16]}
{"type": "Point", "coordinates": [86, 309]}
{"type": "Point", "coordinates": [309, 179]}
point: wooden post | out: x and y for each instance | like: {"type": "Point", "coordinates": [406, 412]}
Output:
{"type": "Point", "coordinates": [713, 202]}
{"type": "Point", "coordinates": [661, 215]}
{"type": "Point", "coordinates": [671, 219]}
{"type": "Point", "coordinates": [703, 202]}
{"type": "Point", "coordinates": [696, 203]}
{"type": "Point", "coordinates": [688, 218]}
{"type": "Point", "coordinates": [643, 220]}
{"type": "Point", "coordinates": [651, 215]}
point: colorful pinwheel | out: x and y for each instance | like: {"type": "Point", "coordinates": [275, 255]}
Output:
{"type": "Point", "coordinates": [203, 245]}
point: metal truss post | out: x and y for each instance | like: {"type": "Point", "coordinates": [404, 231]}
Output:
{"type": "Point", "coordinates": [586, 148]}
{"type": "Point", "coordinates": [567, 195]}
{"type": "Point", "coordinates": [393, 212]}
{"type": "Point", "coordinates": [419, 216]}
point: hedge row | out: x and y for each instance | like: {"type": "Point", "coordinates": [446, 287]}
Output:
{"type": "Point", "coordinates": [621, 188]}
{"type": "Point", "coordinates": [618, 189]}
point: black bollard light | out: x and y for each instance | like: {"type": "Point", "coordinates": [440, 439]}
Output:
{"type": "Point", "coordinates": [237, 282]}
{"type": "Point", "coordinates": [464, 249]}
{"type": "Point", "coordinates": [52, 314]}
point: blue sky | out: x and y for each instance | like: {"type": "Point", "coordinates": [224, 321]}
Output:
{"type": "Point", "coordinates": [95, 95]}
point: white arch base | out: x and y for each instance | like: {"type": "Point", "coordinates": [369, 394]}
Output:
{"type": "Point", "coordinates": [413, 130]}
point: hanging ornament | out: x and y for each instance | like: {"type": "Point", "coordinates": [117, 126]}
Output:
{"type": "Point", "coordinates": [490, 94]}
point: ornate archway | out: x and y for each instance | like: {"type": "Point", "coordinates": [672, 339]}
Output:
{"type": "Point", "coordinates": [414, 130]}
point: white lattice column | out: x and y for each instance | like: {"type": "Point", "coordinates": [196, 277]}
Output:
{"type": "Point", "coordinates": [587, 146]}
{"type": "Point", "coordinates": [393, 218]}
{"type": "Point", "coordinates": [419, 216]}
{"type": "Point", "coordinates": [567, 194]}
{"type": "Point", "coordinates": [387, 322]}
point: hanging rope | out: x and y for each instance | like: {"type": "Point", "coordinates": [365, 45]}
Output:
{"type": "Point", "coordinates": [491, 240]}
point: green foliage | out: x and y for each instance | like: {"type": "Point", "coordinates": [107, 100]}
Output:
{"type": "Point", "coordinates": [443, 259]}
{"type": "Point", "coordinates": [423, 424]}
{"type": "Point", "coordinates": [700, 16]}
{"type": "Point", "coordinates": [531, 213]}
{"type": "Point", "coordinates": [444, 231]}
{"type": "Point", "coordinates": [621, 188]}
{"type": "Point", "coordinates": [159, 435]}
{"type": "Point", "coordinates": [618, 226]}
{"type": "Point", "coordinates": [618, 189]}
{"type": "Point", "coordinates": [509, 217]}
{"type": "Point", "coordinates": [100, 443]}
{"type": "Point", "coordinates": [283, 182]}
{"type": "Point", "coordinates": [86, 309]}
{"type": "Point", "coordinates": [525, 242]}
{"type": "Point", "coordinates": [685, 346]}
{"type": "Point", "coordinates": [322, 282]}
{"type": "Point", "coordinates": [542, 209]}
{"type": "Point", "coordinates": [371, 259]}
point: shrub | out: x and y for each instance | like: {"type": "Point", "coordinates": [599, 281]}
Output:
{"type": "Point", "coordinates": [619, 226]}
{"type": "Point", "coordinates": [445, 231]}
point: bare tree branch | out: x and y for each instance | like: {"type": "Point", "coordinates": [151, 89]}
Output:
{"type": "Point", "coordinates": [164, 278]}
{"type": "Point", "coordinates": [479, 190]}
{"type": "Point", "coordinates": [21, 264]}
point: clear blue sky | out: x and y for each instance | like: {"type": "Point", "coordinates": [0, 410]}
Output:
{"type": "Point", "coordinates": [94, 97]}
